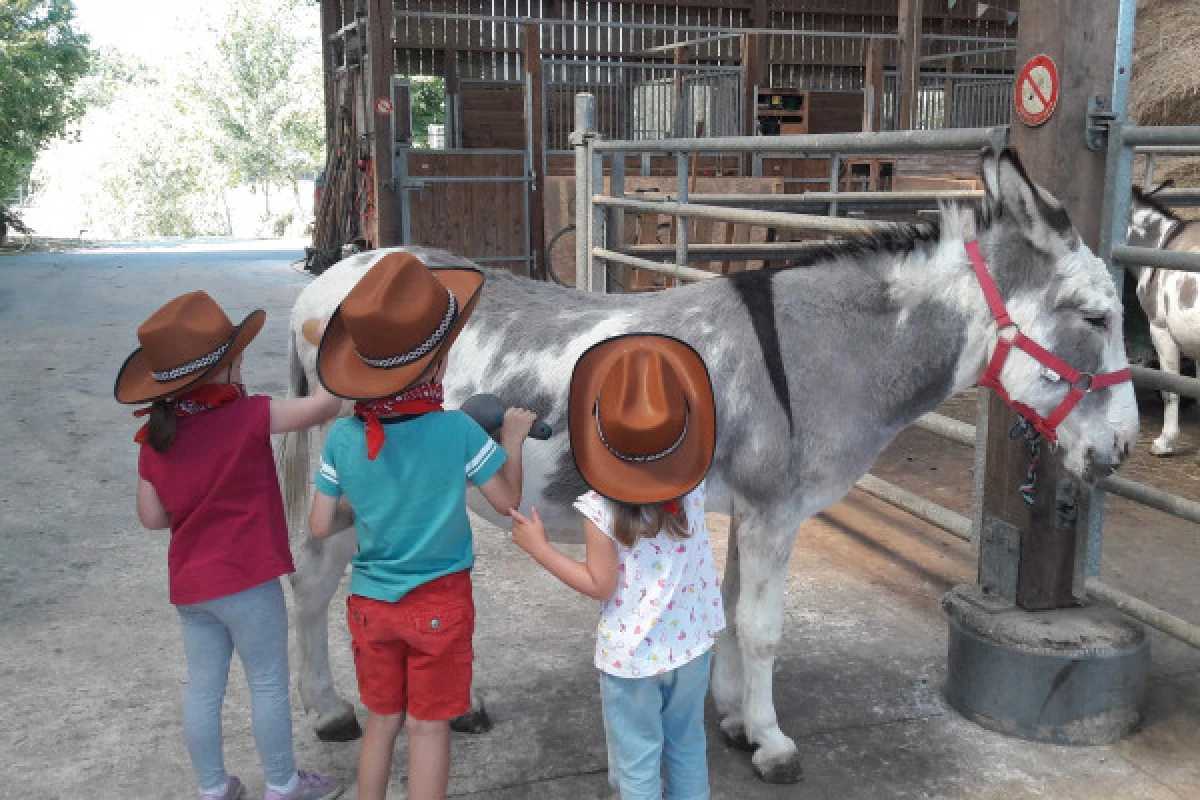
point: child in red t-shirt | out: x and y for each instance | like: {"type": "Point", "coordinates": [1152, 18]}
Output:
{"type": "Point", "coordinates": [207, 472]}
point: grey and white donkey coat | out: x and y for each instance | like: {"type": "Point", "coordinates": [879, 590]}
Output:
{"type": "Point", "coordinates": [815, 368]}
{"type": "Point", "coordinates": [1170, 298]}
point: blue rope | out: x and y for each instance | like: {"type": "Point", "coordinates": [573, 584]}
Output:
{"type": "Point", "coordinates": [1023, 429]}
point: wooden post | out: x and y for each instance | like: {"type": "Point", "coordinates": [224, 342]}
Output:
{"type": "Point", "coordinates": [1079, 36]}
{"type": "Point", "coordinates": [909, 22]}
{"type": "Point", "coordinates": [954, 66]}
{"type": "Point", "coordinates": [331, 21]}
{"type": "Point", "coordinates": [873, 92]}
{"type": "Point", "coordinates": [380, 68]}
{"type": "Point", "coordinates": [751, 80]}
{"type": "Point", "coordinates": [532, 55]}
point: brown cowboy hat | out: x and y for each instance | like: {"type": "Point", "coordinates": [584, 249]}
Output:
{"type": "Point", "coordinates": [641, 418]}
{"type": "Point", "coordinates": [394, 326]}
{"type": "Point", "coordinates": [183, 343]}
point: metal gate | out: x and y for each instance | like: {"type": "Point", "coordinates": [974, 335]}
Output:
{"type": "Point", "coordinates": [473, 197]}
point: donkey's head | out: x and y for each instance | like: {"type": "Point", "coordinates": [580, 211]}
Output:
{"type": "Point", "coordinates": [1060, 296]}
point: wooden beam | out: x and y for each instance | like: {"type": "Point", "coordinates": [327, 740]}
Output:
{"type": "Point", "coordinates": [380, 69]}
{"type": "Point", "coordinates": [533, 107]}
{"type": "Point", "coordinates": [909, 21]}
{"type": "Point", "coordinates": [1079, 35]}
{"type": "Point", "coordinates": [331, 20]}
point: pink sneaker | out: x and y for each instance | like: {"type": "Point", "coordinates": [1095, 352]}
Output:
{"type": "Point", "coordinates": [234, 790]}
{"type": "Point", "coordinates": [312, 787]}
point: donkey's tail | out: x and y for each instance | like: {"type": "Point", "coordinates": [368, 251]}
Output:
{"type": "Point", "coordinates": [293, 462]}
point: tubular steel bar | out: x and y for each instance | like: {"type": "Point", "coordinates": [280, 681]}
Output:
{"type": "Point", "coordinates": [726, 252]}
{"type": "Point", "coordinates": [1142, 611]}
{"type": "Point", "coordinates": [931, 512]}
{"type": "Point", "coordinates": [749, 216]}
{"type": "Point", "coordinates": [1153, 257]}
{"type": "Point", "coordinates": [411, 16]}
{"type": "Point", "coordinates": [1178, 197]}
{"type": "Point", "coordinates": [585, 127]}
{"type": "Point", "coordinates": [1146, 378]}
{"type": "Point", "coordinates": [1160, 135]}
{"type": "Point", "coordinates": [883, 201]}
{"type": "Point", "coordinates": [671, 270]}
{"type": "Point", "coordinates": [1154, 498]}
{"type": "Point", "coordinates": [959, 139]}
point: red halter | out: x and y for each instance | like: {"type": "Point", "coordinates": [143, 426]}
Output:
{"type": "Point", "coordinates": [1081, 382]}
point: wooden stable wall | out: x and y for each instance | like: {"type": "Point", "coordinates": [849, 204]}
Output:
{"type": "Point", "coordinates": [493, 116]}
{"type": "Point", "coordinates": [476, 220]}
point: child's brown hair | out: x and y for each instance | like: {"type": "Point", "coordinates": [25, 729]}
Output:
{"type": "Point", "coordinates": [633, 522]}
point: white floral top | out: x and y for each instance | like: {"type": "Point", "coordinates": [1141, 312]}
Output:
{"type": "Point", "coordinates": [667, 607]}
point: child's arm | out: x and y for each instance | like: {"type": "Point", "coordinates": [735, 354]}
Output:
{"type": "Point", "coordinates": [297, 413]}
{"type": "Point", "coordinates": [503, 490]}
{"type": "Point", "coordinates": [329, 515]}
{"type": "Point", "coordinates": [149, 508]}
{"type": "Point", "coordinates": [596, 577]}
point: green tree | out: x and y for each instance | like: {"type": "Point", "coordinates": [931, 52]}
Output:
{"type": "Point", "coordinates": [262, 89]}
{"type": "Point", "coordinates": [428, 99]}
{"type": "Point", "coordinates": [41, 58]}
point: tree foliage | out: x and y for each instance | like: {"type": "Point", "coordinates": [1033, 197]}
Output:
{"type": "Point", "coordinates": [428, 100]}
{"type": "Point", "coordinates": [262, 91]}
{"type": "Point", "coordinates": [41, 58]}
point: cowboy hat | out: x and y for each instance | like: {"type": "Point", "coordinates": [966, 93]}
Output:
{"type": "Point", "coordinates": [641, 418]}
{"type": "Point", "coordinates": [394, 326]}
{"type": "Point", "coordinates": [183, 343]}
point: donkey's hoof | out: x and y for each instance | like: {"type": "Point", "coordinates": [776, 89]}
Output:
{"type": "Point", "coordinates": [1161, 448]}
{"type": "Point", "coordinates": [340, 729]}
{"type": "Point", "coordinates": [783, 769]}
{"type": "Point", "coordinates": [474, 721]}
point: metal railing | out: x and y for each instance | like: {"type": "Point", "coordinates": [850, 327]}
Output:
{"type": "Point", "coordinates": [599, 225]}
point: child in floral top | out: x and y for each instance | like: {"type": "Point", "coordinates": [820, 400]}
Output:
{"type": "Point", "coordinates": [642, 428]}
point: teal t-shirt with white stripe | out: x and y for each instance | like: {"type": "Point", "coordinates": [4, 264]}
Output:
{"type": "Point", "coordinates": [410, 503]}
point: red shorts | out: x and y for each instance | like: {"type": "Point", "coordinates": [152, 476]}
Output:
{"type": "Point", "coordinates": [415, 655]}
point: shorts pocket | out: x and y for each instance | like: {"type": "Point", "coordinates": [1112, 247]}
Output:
{"type": "Point", "coordinates": [443, 630]}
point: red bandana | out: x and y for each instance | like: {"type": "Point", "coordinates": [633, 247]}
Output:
{"type": "Point", "coordinates": [417, 400]}
{"type": "Point", "coordinates": [671, 507]}
{"type": "Point", "coordinates": [203, 398]}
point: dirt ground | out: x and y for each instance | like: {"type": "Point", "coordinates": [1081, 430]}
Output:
{"type": "Point", "coordinates": [92, 668]}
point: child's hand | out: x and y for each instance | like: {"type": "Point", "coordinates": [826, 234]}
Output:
{"type": "Point", "coordinates": [529, 534]}
{"type": "Point", "coordinates": [517, 422]}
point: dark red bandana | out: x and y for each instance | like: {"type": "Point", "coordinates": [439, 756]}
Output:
{"type": "Point", "coordinates": [417, 400]}
{"type": "Point", "coordinates": [671, 507]}
{"type": "Point", "coordinates": [203, 398]}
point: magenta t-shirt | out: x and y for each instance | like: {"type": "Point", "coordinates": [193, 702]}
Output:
{"type": "Point", "coordinates": [218, 482]}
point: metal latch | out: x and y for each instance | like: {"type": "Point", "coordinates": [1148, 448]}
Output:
{"type": "Point", "coordinates": [1100, 117]}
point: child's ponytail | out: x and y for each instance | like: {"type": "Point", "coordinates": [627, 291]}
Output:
{"type": "Point", "coordinates": [160, 429]}
{"type": "Point", "coordinates": [632, 522]}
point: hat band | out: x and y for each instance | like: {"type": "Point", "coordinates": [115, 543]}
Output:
{"type": "Point", "coordinates": [183, 370]}
{"type": "Point", "coordinates": [423, 349]}
{"type": "Point", "coordinates": [641, 459]}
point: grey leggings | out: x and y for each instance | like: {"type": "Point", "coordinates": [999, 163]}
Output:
{"type": "Point", "coordinates": [254, 623]}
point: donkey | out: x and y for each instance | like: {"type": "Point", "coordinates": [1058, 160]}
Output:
{"type": "Point", "coordinates": [1169, 298]}
{"type": "Point", "coordinates": [816, 368]}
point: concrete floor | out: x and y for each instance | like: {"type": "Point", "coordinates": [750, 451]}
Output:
{"type": "Point", "coordinates": [92, 669]}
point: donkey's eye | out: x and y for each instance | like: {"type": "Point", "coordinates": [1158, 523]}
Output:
{"type": "Point", "coordinates": [1098, 321]}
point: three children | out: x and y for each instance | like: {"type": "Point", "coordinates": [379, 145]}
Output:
{"type": "Point", "coordinates": [642, 428]}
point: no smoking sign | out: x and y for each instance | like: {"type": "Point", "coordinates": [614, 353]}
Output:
{"type": "Point", "coordinates": [1037, 90]}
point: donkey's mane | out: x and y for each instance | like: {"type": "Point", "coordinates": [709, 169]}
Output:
{"type": "Point", "coordinates": [898, 240]}
{"type": "Point", "coordinates": [1150, 200]}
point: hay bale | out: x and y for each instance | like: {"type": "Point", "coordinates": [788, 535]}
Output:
{"type": "Point", "coordinates": [1165, 82]}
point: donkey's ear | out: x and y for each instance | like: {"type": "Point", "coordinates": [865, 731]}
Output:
{"type": "Point", "coordinates": [1040, 216]}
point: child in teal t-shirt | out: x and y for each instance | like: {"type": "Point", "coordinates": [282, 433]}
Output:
{"type": "Point", "coordinates": [402, 464]}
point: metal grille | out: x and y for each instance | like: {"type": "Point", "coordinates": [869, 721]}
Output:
{"type": "Point", "coordinates": [976, 101]}
{"type": "Point", "coordinates": [642, 101]}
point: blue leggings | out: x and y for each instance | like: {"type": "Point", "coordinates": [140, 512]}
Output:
{"type": "Point", "coordinates": [254, 623]}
